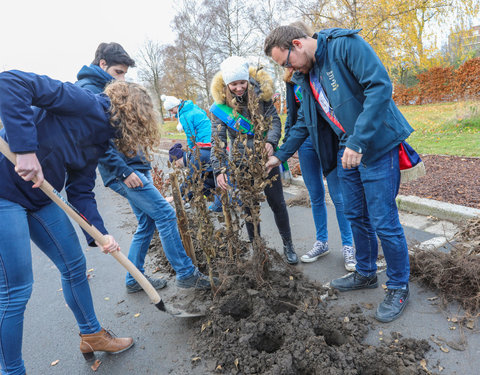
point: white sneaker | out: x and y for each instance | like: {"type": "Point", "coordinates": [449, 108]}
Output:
{"type": "Point", "coordinates": [319, 250]}
{"type": "Point", "coordinates": [349, 257]}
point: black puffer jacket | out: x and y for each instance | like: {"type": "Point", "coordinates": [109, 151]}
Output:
{"type": "Point", "coordinates": [263, 88]}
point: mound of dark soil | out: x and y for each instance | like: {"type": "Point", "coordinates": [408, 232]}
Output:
{"type": "Point", "coordinates": [280, 325]}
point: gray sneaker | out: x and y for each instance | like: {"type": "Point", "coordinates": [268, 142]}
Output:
{"type": "Point", "coordinates": [197, 280]}
{"type": "Point", "coordinates": [156, 283]}
{"type": "Point", "coordinates": [319, 250]}
{"type": "Point", "coordinates": [349, 257]}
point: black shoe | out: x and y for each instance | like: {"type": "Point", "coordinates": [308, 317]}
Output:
{"type": "Point", "coordinates": [393, 305]}
{"type": "Point", "coordinates": [290, 252]}
{"type": "Point", "coordinates": [354, 281]}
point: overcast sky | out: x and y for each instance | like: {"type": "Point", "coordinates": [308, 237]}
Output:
{"type": "Point", "coordinates": [58, 37]}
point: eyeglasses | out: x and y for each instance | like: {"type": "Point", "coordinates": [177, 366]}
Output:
{"type": "Point", "coordinates": [287, 61]}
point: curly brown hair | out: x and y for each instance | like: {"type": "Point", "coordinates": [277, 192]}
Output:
{"type": "Point", "coordinates": [133, 114]}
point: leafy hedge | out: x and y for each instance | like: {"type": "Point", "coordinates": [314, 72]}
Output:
{"type": "Point", "coordinates": [442, 84]}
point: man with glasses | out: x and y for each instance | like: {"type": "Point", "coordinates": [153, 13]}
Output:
{"type": "Point", "coordinates": [348, 111]}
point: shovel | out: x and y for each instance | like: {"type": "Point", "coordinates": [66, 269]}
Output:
{"type": "Point", "coordinates": [71, 211]}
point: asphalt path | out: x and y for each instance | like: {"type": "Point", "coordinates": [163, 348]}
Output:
{"type": "Point", "coordinates": [162, 342]}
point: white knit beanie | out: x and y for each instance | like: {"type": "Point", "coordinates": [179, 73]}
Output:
{"type": "Point", "coordinates": [170, 102]}
{"type": "Point", "coordinates": [234, 68]}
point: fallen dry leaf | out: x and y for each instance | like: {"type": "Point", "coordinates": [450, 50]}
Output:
{"type": "Point", "coordinates": [444, 349]}
{"type": "Point", "coordinates": [136, 315]}
{"type": "Point", "coordinates": [195, 359]}
{"type": "Point", "coordinates": [384, 287]}
{"type": "Point", "coordinates": [423, 363]}
{"type": "Point", "coordinates": [90, 270]}
{"type": "Point", "coordinates": [219, 367]}
{"type": "Point", "coordinates": [95, 365]}
{"type": "Point", "coordinates": [470, 324]}
{"type": "Point", "coordinates": [107, 298]}
{"type": "Point", "coordinates": [54, 363]}
{"type": "Point", "coordinates": [346, 319]}
{"type": "Point", "coordinates": [236, 363]}
{"type": "Point", "coordinates": [368, 306]}
{"type": "Point", "coordinates": [291, 278]}
{"type": "Point", "coordinates": [432, 298]}
{"type": "Point", "coordinates": [454, 320]}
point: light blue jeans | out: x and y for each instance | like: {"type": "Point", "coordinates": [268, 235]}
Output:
{"type": "Point", "coordinates": [313, 177]}
{"type": "Point", "coordinates": [51, 230]}
{"type": "Point", "coordinates": [369, 192]}
{"type": "Point", "coordinates": [152, 210]}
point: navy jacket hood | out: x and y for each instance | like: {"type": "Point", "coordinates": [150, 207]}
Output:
{"type": "Point", "coordinates": [93, 78]}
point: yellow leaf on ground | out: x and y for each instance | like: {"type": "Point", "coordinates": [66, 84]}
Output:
{"type": "Point", "coordinates": [291, 277]}
{"type": "Point", "coordinates": [107, 298]}
{"type": "Point", "coordinates": [195, 359]}
{"type": "Point", "coordinates": [95, 365]}
{"type": "Point", "coordinates": [423, 363]}
{"type": "Point", "coordinates": [136, 315]}
{"type": "Point", "coordinates": [470, 324]}
{"type": "Point", "coordinates": [444, 349]}
{"type": "Point", "coordinates": [54, 363]}
{"type": "Point", "coordinates": [236, 363]}
{"type": "Point", "coordinates": [90, 270]}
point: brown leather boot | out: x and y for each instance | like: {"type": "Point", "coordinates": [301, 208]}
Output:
{"type": "Point", "coordinates": [103, 341]}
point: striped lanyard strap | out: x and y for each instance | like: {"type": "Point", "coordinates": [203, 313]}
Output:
{"type": "Point", "coordinates": [321, 98]}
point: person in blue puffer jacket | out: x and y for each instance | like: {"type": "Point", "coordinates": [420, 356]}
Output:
{"type": "Point", "coordinates": [197, 126]}
{"type": "Point", "coordinates": [130, 176]}
{"type": "Point", "coordinates": [58, 132]}
{"type": "Point", "coordinates": [348, 111]}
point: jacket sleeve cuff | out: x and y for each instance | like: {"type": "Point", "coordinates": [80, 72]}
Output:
{"type": "Point", "coordinates": [354, 145]}
{"type": "Point", "coordinates": [126, 172]}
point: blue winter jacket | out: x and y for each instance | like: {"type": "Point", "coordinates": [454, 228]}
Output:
{"type": "Point", "coordinates": [195, 123]}
{"type": "Point", "coordinates": [93, 78]}
{"type": "Point", "coordinates": [113, 164]}
{"type": "Point", "coordinates": [68, 128]}
{"type": "Point", "coordinates": [360, 93]}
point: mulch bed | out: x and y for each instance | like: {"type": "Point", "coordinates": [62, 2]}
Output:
{"type": "Point", "coordinates": [452, 179]}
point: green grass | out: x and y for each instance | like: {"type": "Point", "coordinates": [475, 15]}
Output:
{"type": "Point", "coordinates": [169, 130]}
{"type": "Point", "coordinates": [445, 129]}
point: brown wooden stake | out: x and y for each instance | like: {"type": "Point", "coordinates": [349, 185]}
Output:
{"type": "Point", "coordinates": [182, 218]}
{"type": "Point", "coordinates": [228, 223]}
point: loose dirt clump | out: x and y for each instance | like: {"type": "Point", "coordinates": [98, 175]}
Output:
{"type": "Point", "coordinates": [283, 325]}
{"type": "Point", "coordinates": [301, 199]}
{"type": "Point", "coordinates": [455, 275]}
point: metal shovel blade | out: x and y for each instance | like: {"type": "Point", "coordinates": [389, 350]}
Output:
{"type": "Point", "coordinates": [178, 313]}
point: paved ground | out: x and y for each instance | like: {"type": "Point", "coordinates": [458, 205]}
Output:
{"type": "Point", "coordinates": [162, 342]}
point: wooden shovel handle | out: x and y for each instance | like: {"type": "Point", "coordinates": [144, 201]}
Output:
{"type": "Point", "coordinates": [71, 211]}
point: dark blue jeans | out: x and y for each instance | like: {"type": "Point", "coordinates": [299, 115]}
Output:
{"type": "Point", "coordinates": [51, 230]}
{"type": "Point", "coordinates": [152, 210]}
{"type": "Point", "coordinates": [369, 193]}
{"type": "Point", "coordinates": [313, 177]}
